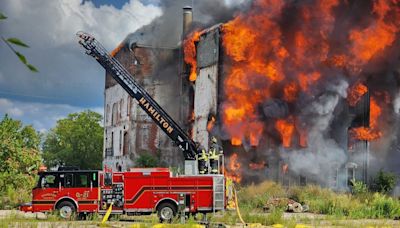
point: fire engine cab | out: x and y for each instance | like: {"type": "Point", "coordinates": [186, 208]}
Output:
{"type": "Point", "coordinates": [138, 191]}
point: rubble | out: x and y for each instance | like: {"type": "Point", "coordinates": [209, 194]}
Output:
{"type": "Point", "coordinates": [290, 205]}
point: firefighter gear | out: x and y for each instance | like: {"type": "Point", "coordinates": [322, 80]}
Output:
{"type": "Point", "coordinates": [214, 154]}
{"type": "Point", "coordinates": [231, 205]}
{"type": "Point", "coordinates": [202, 159]}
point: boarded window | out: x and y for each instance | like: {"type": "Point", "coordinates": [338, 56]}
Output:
{"type": "Point", "coordinates": [126, 144]}
{"type": "Point", "coordinates": [107, 113]}
{"type": "Point", "coordinates": [120, 141]}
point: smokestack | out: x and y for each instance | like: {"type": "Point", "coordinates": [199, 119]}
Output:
{"type": "Point", "coordinates": [187, 19]}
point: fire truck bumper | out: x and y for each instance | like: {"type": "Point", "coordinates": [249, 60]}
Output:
{"type": "Point", "coordinates": [26, 207]}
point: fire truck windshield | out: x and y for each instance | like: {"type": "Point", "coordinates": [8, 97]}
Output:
{"type": "Point", "coordinates": [48, 181]}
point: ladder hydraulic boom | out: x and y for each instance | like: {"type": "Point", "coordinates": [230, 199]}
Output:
{"type": "Point", "coordinates": [146, 102]}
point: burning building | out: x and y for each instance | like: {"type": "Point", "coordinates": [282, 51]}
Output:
{"type": "Point", "coordinates": [297, 91]}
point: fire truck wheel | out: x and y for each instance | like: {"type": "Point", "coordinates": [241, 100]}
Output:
{"type": "Point", "coordinates": [166, 212]}
{"type": "Point", "coordinates": [66, 210]}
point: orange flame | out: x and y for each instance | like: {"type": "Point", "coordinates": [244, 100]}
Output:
{"type": "Point", "coordinates": [233, 171]}
{"type": "Point", "coordinates": [189, 49]}
{"type": "Point", "coordinates": [371, 132]}
{"type": "Point", "coordinates": [236, 141]}
{"type": "Point", "coordinates": [290, 92]}
{"type": "Point", "coordinates": [355, 93]}
{"type": "Point", "coordinates": [368, 42]}
{"type": "Point", "coordinates": [117, 49]}
{"type": "Point", "coordinates": [285, 129]}
{"type": "Point", "coordinates": [306, 80]}
{"type": "Point", "coordinates": [210, 124]}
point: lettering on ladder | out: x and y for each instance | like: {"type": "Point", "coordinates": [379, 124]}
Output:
{"type": "Point", "coordinates": [162, 122]}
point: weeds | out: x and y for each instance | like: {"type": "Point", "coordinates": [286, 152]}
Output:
{"type": "Point", "coordinates": [322, 201]}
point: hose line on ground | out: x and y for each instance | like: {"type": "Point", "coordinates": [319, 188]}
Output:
{"type": "Point", "coordinates": [237, 206]}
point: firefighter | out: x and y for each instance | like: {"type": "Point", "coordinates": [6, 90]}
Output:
{"type": "Point", "coordinates": [202, 159]}
{"type": "Point", "coordinates": [214, 153]}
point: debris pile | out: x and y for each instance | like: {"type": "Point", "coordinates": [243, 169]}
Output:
{"type": "Point", "coordinates": [290, 205]}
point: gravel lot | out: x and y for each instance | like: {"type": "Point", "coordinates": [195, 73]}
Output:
{"type": "Point", "coordinates": [14, 218]}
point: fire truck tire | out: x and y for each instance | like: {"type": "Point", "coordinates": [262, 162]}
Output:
{"type": "Point", "coordinates": [166, 211]}
{"type": "Point", "coordinates": [66, 210]}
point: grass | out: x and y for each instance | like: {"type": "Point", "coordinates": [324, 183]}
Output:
{"type": "Point", "coordinates": [322, 201]}
{"type": "Point", "coordinates": [11, 198]}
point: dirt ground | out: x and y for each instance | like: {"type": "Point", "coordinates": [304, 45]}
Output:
{"type": "Point", "coordinates": [13, 218]}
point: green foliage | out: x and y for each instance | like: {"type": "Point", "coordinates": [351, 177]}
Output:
{"type": "Point", "coordinates": [21, 57]}
{"type": "Point", "coordinates": [320, 200]}
{"type": "Point", "coordinates": [146, 160]}
{"type": "Point", "coordinates": [275, 217]}
{"type": "Point", "coordinates": [75, 141]}
{"type": "Point", "coordinates": [2, 16]}
{"type": "Point", "coordinates": [256, 196]}
{"type": "Point", "coordinates": [384, 182]}
{"type": "Point", "coordinates": [32, 68]}
{"type": "Point", "coordinates": [19, 161]}
{"type": "Point", "coordinates": [17, 42]}
{"type": "Point", "coordinates": [229, 218]}
{"type": "Point", "coordinates": [377, 207]}
{"type": "Point", "coordinates": [358, 187]}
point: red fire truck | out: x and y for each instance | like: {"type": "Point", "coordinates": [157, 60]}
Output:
{"type": "Point", "coordinates": [138, 191]}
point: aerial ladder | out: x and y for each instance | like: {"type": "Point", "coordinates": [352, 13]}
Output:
{"type": "Point", "coordinates": [145, 101]}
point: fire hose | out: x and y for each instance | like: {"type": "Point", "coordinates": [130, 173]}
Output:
{"type": "Point", "coordinates": [237, 206]}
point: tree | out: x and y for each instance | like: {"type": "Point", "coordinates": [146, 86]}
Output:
{"type": "Point", "coordinates": [384, 182]}
{"type": "Point", "coordinates": [19, 159]}
{"type": "Point", "coordinates": [75, 141]}
{"type": "Point", "coordinates": [12, 43]}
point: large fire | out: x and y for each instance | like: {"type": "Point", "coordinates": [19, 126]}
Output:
{"type": "Point", "coordinates": [268, 60]}
{"type": "Point", "coordinates": [290, 52]}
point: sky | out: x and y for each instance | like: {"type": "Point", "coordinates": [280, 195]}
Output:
{"type": "Point", "coordinates": [68, 80]}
